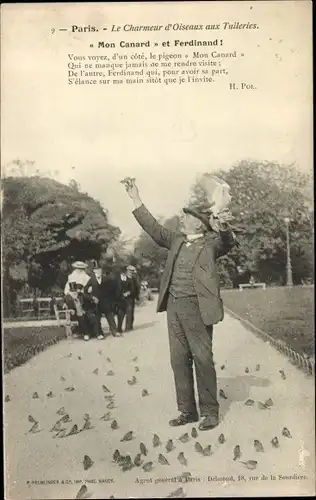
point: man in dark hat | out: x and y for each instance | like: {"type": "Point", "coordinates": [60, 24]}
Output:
{"type": "Point", "coordinates": [129, 294]}
{"type": "Point", "coordinates": [190, 294]}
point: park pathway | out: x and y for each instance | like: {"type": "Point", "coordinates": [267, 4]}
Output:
{"type": "Point", "coordinates": [40, 456]}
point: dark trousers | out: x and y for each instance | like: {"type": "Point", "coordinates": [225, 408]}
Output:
{"type": "Point", "coordinates": [89, 324]}
{"type": "Point", "coordinates": [191, 341]}
{"type": "Point", "coordinates": [126, 308]}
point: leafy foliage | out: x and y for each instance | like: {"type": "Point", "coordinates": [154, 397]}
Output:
{"type": "Point", "coordinates": [46, 223]}
{"type": "Point", "coordinates": [263, 194]}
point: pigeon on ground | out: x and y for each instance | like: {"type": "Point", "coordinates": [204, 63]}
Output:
{"type": "Point", "coordinates": [182, 459]}
{"type": "Point", "coordinates": [184, 438]}
{"type": "Point", "coordinates": [73, 430]}
{"type": "Point", "coordinates": [80, 358]}
{"type": "Point", "coordinates": [258, 446]}
{"type": "Point", "coordinates": [222, 394]}
{"type": "Point", "coordinates": [65, 418]}
{"type": "Point", "coordinates": [69, 355]}
{"type": "Point", "coordinates": [100, 352]}
{"type": "Point", "coordinates": [221, 439]}
{"type": "Point", "coordinates": [268, 402]}
{"type": "Point", "coordinates": [109, 360]}
{"type": "Point", "coordinates": [250, 464]}
{"type": "Point", "coordinates": [131, 382]}
{"type": "Point", "coordinates": [249, 402]}
{"type": "Point", "coordinates": [198, 447]}
{"type": "Point", "coordinates": [257, 368]}
{"type": "Point", "coordinates": [275, 442]}
{"type": "Point", "coordinates": [143, 449]}
{"type": "Point", "coordinates": [87, 425]}
{"type": "Point", "coordinates": [135, 359]}
{"type": "Point", "coordinates": [86, 416]}
{"type": "Point", "coordinates": [286, 432]}
{"type": "Point", "coordinates": [207, 451]}
{"type": "Point", "coordinates": [179, 493]}
{"type": "Point", "coordinates": [110, 373]}
{"type": "Point", "coordinates": [32, 419]}
{"type": "Point", "coordinates": [87, 462]}
{"type": "Point", "coordinates": [61, 434]}
{"type": "Point", "coordinates": [35, 428]}
{"type": "Point", "coordinates": [7, 398]}
{"type": "Point", "coordinates": [162, 460]}
{"type": "Point", "coordinates": [105, 389]}
{"type": "Point", "coordinates": [109, 397]}
{"type": "Point", "coordinates": [145, 392]}
{"type": "Point", "coordinates": [138, 460]}
{"type": "Point", "coordinates": [223, 367]}
{"type": "Point", "coordinates": [116, 455]}
{"type": "Point", "coordinates": [62, 378]}
{"type": "Point", "coordinates": [128, 436]}
{"type": "Point", "coordinates": [283, 376]}
{"type": "Point", "coordinates": [170, 446]}
{"type": "Point", "coordinates": [194, 433]}
{"type": "Point", "coordinates": [263, 406]}
{"type": "Point", "coordinates": [148, 466]}
{"type": "Point", "coordinates": [111, 405]}
{"type": "Point", "coordinates": [136, 369]}
{"type": "Point", "coordinates": [35, 395]}
{"type": "Point", "coordinates": [82, 492]}
{"type": "Point", "coordinates": [69, 389]}
{"type": "Point", "coordinates": [106, 417]}
{"type": "Point", "coordinates": [127, 467]}
{"type": "Point", "coordinates": [156, 441]}
{"type": "Point", "coordinates": [237, 452]}
{"type": "Point", "coordinates": [57, 427]}
{"type": "Point", "coordinates": [246, 369]}
{"type": "Point", "coordinates": [96, 371]}
{"type": "Point", "coordinates": [114, 425]}
{"type": "Point", "coordinates": [61, 411]}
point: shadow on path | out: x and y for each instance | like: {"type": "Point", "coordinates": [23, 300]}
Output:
{"type": "Point", "coordinates": [238, 389]}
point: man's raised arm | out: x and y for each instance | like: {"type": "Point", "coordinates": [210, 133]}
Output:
{"type": "Point", "coordinates": [161, 235]}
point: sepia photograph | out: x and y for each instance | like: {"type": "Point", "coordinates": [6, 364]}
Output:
{"type": "Point", "coordinates": [157, 223]}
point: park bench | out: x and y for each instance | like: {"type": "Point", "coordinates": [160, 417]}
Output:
{"type": "Point", "coordinates": [252, 285]}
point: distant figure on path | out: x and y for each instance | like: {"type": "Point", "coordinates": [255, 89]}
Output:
{"type": "Point", "coordinates": [190, 294]}
{"type": "Point", "coordinates": [129, 293]}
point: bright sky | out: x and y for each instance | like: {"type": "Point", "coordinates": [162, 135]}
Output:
{"type": "Point", "coordinates": [161, 135]}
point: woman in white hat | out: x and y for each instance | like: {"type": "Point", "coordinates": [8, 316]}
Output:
{"type": "Point", "coordinates": [79, 298]}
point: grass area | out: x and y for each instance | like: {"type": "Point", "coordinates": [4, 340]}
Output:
{"type": "Point", "coordinates": [286, 314]}
{"type": "Point", "coordinates": [22, 343]}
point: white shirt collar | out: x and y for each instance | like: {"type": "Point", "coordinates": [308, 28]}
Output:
{"type": "Point", "coordinates": [192, 237]}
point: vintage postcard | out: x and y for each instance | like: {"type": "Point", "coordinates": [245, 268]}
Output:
{"type": "Point", "coordinates": [157, 249]}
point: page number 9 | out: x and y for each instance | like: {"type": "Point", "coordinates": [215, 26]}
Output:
{"type": "Point", "coordinates": [53, 31]}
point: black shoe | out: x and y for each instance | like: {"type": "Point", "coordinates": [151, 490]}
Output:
{"type": "Point", "coordinates": [209, 422]}
{"type": "Point", "coordinates": [183, 419]}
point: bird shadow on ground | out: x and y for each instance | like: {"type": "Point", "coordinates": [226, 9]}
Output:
{"type": "Point", "coordinates": [238, 389]}
{"type": "Point", "coordinates": [145, 325]}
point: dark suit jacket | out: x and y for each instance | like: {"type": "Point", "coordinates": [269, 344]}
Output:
{"type": "Point", "coordinates": [205, 277]}
{"type": "Point", "coordinates": [131, 285]}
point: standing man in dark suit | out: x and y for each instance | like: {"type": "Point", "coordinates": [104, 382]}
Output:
{"type": "Point", "coordinates": [129, 293]}
{"type": "Point", "coordinates": [189, 292]}
{"type": "Point", "coordinates": [107, 293]}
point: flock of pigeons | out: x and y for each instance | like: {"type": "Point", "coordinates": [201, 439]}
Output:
{"type": "Point", "coordinates": [62, 429]}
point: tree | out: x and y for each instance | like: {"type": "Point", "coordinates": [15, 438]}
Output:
{"type": "Point", "coordinates": [263, 193]}
{"type": "Point", "coordinates": [46, 223]}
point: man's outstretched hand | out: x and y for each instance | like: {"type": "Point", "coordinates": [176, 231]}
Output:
{"type": "Point", "coordinates": [132, 190]}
